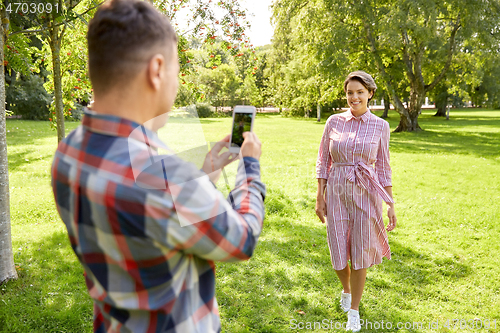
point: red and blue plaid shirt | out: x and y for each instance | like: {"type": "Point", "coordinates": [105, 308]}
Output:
{"type": "Point", "coordinates": [145, 270]}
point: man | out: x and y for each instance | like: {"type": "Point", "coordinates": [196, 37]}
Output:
{"type": "Point", "coordinates": [147, 228]}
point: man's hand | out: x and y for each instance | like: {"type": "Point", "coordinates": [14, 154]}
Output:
{"type": "Point", "coordinates": [251, 145]}
{"type": "Point", "coordinates": [215, 161]}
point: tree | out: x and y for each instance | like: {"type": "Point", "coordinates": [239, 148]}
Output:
{"type": "Point", "coordinates": [420, 38]}
{"type": "Point", "coordinates": [219, 85]}
{"type": "Point", "coordinates": [50, 20]}
{"type": "Point", "coordinates": [220, 23]}
{"type": "Point", "coordinates": [219, 75]}
{"type": "Point", "coordinates": [261, 71]}
{"type": "Point", "coordinates": [76, 89]}
{"type": "Point", "coordinates": [487, 93]}
{"type": "Point", "coordinates": [7, 269]}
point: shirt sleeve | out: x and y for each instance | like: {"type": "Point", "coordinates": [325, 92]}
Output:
{"type": "Point", "coordinates": [324, 161]}
{"type": "Point", "coordinates": [205, 224]}
{"type": "Point", "coordinates": [382, 165]}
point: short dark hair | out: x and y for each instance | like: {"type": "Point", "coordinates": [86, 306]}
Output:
{"type": "Point", "coordinates": [122, 35]}
{"type": "Point", "coordinates": [364, 78]}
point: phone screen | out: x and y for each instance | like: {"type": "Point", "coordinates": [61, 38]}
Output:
{"type": "Point", "coordinates": [242, 123]}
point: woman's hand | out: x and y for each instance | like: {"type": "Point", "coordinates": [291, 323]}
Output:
{"type": "Point", "coordinates": [391, 214]}
{"type": "Point", "coordinates": [321, 208]}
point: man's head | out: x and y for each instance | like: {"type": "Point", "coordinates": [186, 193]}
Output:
{"type": "Point", "coordinates": [131, 44]}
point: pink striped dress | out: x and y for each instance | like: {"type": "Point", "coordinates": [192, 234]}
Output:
{"type": "Point", "coordinates": [349, 148]}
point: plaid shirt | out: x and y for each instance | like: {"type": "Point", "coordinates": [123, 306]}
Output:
{"type": "Point", "coordinates": [144, 269]}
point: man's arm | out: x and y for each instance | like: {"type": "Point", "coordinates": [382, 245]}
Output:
{"type": "Point", "coordinates": [206, 225]}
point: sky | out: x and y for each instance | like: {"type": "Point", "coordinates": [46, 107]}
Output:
{"type": "Point", "coordinates": [261, 31]}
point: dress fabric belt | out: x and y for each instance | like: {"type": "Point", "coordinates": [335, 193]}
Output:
{"type": "Point", "coordinates": [362, 175]}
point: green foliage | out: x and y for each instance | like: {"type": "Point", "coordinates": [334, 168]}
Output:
{"type": "Point", "coordinates": [25, 75]}
{"type": "Point", "coordinates": [215, 35]}
{"type": "Point", "coordinates": [18, 53]}
{"type": "Point", "coordinates": [28, 98]}
{"type": "Point", "coordinates": [219, 78]}
{"type": "Point", "coordinates": [73, 18]}
{"type": "Point", "coordinates": [76, 86]}
{"type": "Point", "coordinates": [262, 73]}
{"type": "Point", "coordinates": [488, 92]}
{"type": "Point", "coordinates": [220, 84]}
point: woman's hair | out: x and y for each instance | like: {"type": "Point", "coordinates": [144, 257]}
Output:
{"type": "Point", "coordinates": [364, 78]}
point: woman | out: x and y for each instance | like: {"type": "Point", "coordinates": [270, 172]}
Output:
{"type": "Point", "coordinates": [350, 191]}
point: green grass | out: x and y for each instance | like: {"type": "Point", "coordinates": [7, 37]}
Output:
{"type": "Point", "coordinates": [445, 249]}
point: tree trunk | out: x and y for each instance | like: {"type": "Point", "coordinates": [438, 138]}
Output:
{"type": "Point", "coordinates": [441, 102]}
{"type": "Point", "coordinates": [318, 106]}
{"type": "Point", "coordinates": [408, 123]}
{"type": "Point", "coordinates": [387, 106]}
{"type": "Point", "coordinates": [441, 108]}
{"type": "Point", "coordinates": [409, 120]}
{"type": "Point", "coordinates": [7, 268]}
{"type": "Point", "coordinates": [55, 47]}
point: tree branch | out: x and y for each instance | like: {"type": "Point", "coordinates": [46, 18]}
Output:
{"type": "Point", "coordinates": [62, 32]}
{"type": "Point", "coordinates": [406, 56]}
{"type": "Point", "coordinates": [185, 32]}
{"type": "Point", "coordinates": [27, 31]}
{"type": "Point", "coordinates": [451, 49]}
{"type": "Point", "coordinates": [380, 66]}
{"type": "Point", "coordinates": [303, 5]}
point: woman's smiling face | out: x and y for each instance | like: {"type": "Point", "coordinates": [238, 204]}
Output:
{"type": "Point", "coordinates": [357, 96]}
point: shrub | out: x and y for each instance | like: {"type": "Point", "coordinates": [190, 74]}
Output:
{"type": "Point", "coordinates": [294, 112]}
{"type": "Point", "coordinates": [204, 110]}
{"type": "Point", "coordinates": [200, 110]}
{"type": "Point", "coordinates": [27, 97]}
{"type": "Point", "coordinates": [222, 114]}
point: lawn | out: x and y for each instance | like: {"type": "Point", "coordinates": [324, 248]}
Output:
{"type": "Point", "coordinates": [445, 251]}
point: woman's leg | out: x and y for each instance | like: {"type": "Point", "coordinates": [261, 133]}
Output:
{"type": "Point", "coordinates": [358, 278]}
{"type": "Point", "coordinates": [344, 277]}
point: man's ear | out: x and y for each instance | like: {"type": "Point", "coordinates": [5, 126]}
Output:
{"type": "Point", "coordinates": [156, 71]}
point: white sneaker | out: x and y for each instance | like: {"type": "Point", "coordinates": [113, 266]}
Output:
{"type": "Point", "coordinates": [353, 321]}
{"type": "Point", "coordinates": [345, 301]}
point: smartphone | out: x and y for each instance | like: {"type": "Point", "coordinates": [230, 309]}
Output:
{"type": "Point", "coordinates": [243, 117]}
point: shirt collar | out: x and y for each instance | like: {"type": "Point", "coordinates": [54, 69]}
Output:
{"type": "Point", "coordinates": [116, 126]}
{"type": "Point", "coordinates": [364, 117]}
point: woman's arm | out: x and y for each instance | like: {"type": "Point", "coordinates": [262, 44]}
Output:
{"type": "Point", "coordinates": [324, 160]}
{"type": "Point", "coordinates": [382, 165]}
{"type": "Point", "coordinates": [323, 165]}
{"type": "Point", "coordinates": [391, 212]}
{"type": "Point", "coordinates": [384, 173]}
{"type": "Point", "coordinates": [320, 200]}
{"type": "Point", "coordinates": [321, 188]}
